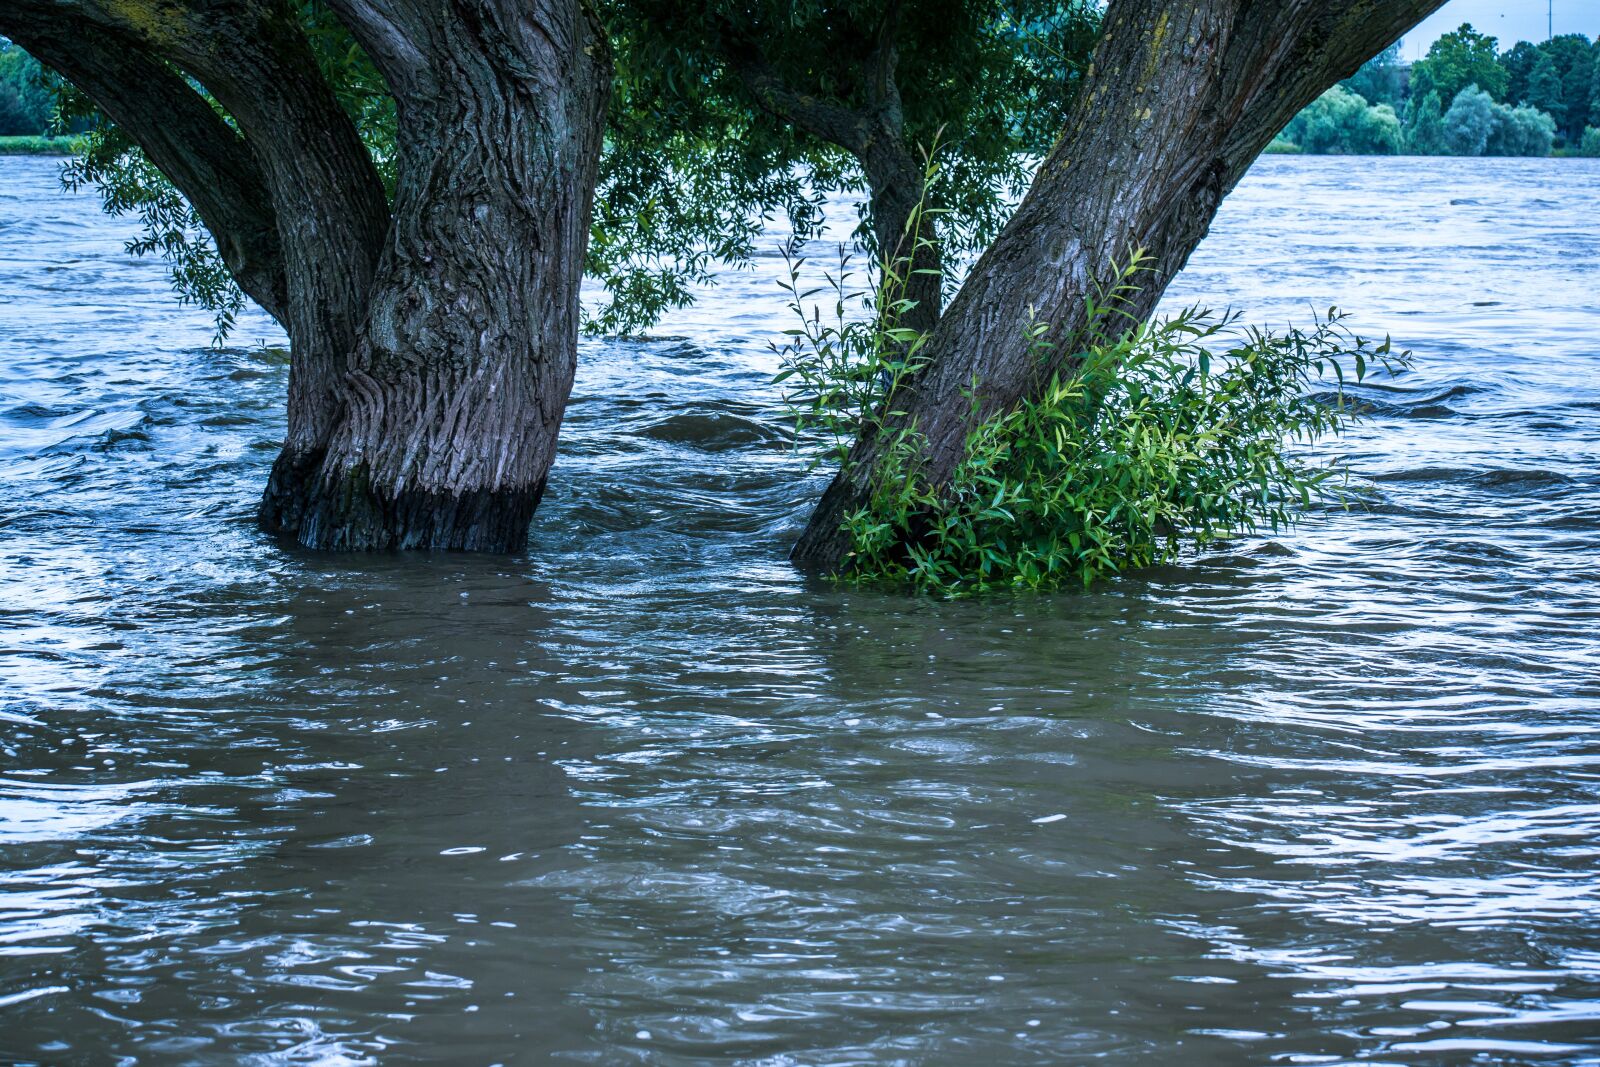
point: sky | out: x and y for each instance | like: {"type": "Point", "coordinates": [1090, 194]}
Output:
{"type": "Point", "coordinates": [1509, 20]}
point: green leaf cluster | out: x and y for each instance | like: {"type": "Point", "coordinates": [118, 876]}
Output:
{"type": "Point", "coordinates": [1179, 431]}
{"type": "Point", "coordinates": [27, 102]}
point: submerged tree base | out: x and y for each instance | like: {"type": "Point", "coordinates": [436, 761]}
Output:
{"type": "Point", "coordinates": [346, 512]}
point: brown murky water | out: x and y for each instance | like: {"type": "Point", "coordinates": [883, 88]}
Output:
{"type": "Point", "coordinates": [648, 796]}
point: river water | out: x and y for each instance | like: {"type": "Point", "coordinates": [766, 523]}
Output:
{"type": "Point", "coordinates": [649, 796]}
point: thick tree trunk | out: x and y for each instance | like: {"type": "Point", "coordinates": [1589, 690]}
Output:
{"type": "Point", "coordinates": [433, 350]}
{"type": "Point", "coordinates": [452, 397]}
{"type": "Point", "coordinates": [1179, 100]}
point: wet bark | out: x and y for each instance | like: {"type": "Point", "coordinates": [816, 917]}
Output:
{"type": "Point", "coordinates": [434, 345]}
{"type": "Point", "coordinates": [1179, 100]}
{"type": "Point", "coordinates": [454, 393]}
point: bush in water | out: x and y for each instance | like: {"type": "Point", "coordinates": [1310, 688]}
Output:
{"type": "Point", "coordinates": [1151, 441]}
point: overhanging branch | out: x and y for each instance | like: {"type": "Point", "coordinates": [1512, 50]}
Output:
{"type": "Point", "coordinates": [211, 165]}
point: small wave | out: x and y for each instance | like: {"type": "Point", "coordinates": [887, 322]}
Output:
{"type": "Point", "coordinates": [712, 431]}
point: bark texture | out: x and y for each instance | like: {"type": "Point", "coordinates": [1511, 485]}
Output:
{"type": "Point", "coordinates": [1180, 99]}
{"type": "Point", "coordinates": [434, 345]}
{"type": "Point", "coordinates": [454, 393]}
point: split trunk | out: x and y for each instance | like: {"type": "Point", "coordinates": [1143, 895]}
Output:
{"type": "Point", "coordinates": [1179, 100]}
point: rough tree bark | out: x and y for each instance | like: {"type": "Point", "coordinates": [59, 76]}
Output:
{"type": "Point", "coordinates": [434, 346]}
{"type": "Point", "coordinates": [1181, 97]}
{"type": "Point", "coordinates": [875, 135]}
{"type": "Point", "coordinates": [455, 391]}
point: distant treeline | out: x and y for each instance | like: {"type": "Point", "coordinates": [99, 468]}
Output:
{"type": "Point", "coordinates": [1466, 98]}
{"type": "Point", "coordinates": [27, 104]}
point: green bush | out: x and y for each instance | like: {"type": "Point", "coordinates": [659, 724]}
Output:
{"type": "Point", "coordinates": [26, 102]}
{"type": "Point", "coordinates": [39, 146]}
{"type": "Point", "coordinates": [1424, 134]}
{"type": "Point", "coordinates": [1520, 131]}
{"type": "Point", "coordinates": [1339, 122]}
{"type": "Point", "coordinates": [1477, 126]}
{"type": "Point", "coordinates": [1150, 440]}
{"type": "Point", "coordinates": [1590, 145]}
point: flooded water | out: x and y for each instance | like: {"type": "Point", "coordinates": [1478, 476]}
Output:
{"type": "Point", "coordinates": [649, 796]}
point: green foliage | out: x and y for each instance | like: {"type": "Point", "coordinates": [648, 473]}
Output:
{"type": "Point", "coordinates": [1339, 122]}
{"type": "Point", "coordinates": [693, 167]}
{"type": "Point", "coordinates": [1380, 80]}
{"type": "Point", "coordinates": [1477, 126]}
{"type": "Point", "coordinates": [1468, 122]}
{"type": "Point", "coordinates": [1559, 76]}
{"type": "Point", "coordinates": [1573, 58]}
{"type": "Point", "coordinates": [1590, 145]}
{"type": "Point", "coordinates": [1544, 89]}
{"type": "Point", "coordinates": [842, 371]}
{"type": "Point", "coordinates": [697, 161]}
{"type": "Point", "coordinates": [1519, 61]}
{"type": "Point", "coordinates": [40, 146]}
{"type": "Point", "coordinates": [1456, 60]}
{"type": "Point", "coordinates": [26, 100]}
{"type": "Point", "coordinates": [1520, 131]}
{"type": "Point", "coordinates": [1425, 131]}
{"type": "Point", "coordinates": [1151, 439]}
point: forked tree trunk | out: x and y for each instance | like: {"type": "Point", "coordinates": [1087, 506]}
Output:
{"type": "Point", "coordinates": [1180, 98]}
{"type": "Point", "coordinates": [451, 401]}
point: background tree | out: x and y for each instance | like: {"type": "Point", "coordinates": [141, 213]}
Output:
{"type": "Point", "coordinates": [1381, 79]}
{"type": "Point", "coordinates": [26, 101]}
{"type": "Point", "coordinates": [1339, 122]}
{"type": "Point", "coordinates": [855, 92]}
{"type": "Point", "coordinates": [434, 339]}
{"type": "Point", "coordinates": [1468, 122]}
{"type": "Point", "coordinates": [1180, 99]}
{"type": "Point", "coordinates": [1545, 91]}
{"type": "Point", "coordinates": [1424, 133]}
{"type": "Point", "coordinates": [1518, 62]}
{"type": "Point", "coordinates": [1573, 58]}
{"type": "Point", "coordinates": [1456, 60]}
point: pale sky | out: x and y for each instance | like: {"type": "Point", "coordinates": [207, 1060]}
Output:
{"type": "Point", "coordinates": [1509, 20]}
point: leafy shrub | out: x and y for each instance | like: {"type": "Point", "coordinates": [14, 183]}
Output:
{"type": "Point", "coordinates": [1477, 126]}
{"type": "Point", "coordinates": [1339, 122]}
{"type": "Point", "coordinates": [1520, 131]}
{"type": "Point", "coordinates": [1424, 134]}
{"type": "Point", "coordinates": [1590, 145]}
{"type": "Point", "coordinates": [1149, 440]}
{"type": "Point", "coordinates": [1468, 122]}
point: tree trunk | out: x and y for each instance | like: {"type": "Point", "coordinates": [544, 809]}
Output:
{"type": "Point", "coordinates": [1179, 100]}
{"type": "Point", "coordinates": [452, 398]}
{"type": "Point", "coordinates": [434, 348]}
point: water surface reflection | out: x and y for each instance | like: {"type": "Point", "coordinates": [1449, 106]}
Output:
{"type": "Point", "coordinates": [649, 796]}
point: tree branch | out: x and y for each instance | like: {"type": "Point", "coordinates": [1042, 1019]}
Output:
{"type": "Point", "coordinates": [211, 165]}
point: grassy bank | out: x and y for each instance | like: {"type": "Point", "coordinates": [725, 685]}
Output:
{"type": "Point", "coordinates": [38, 146]}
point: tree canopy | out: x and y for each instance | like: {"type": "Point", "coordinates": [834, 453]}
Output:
{"type": "Point", "coordinates": [722, 118]}
{"type": "Point", "coordinates": [1456, 60]}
